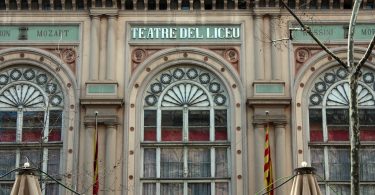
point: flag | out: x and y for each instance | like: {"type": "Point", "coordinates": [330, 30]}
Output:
{"type": "Point", "coordinates": [95, 190]}
{"type": "Point", "coordinates": [268, 180]}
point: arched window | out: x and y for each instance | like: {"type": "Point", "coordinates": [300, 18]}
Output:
{"type": "Point", "coordinates": [329, 130]}
{"type": "Point", "coordinates": [31, 105]}
{"type": "Point", "coordinates": [185, 138]}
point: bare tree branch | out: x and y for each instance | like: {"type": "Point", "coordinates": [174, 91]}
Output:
{"type": "Point", "coordinates": [367, 53]}
{"type": "Point", "coordinates": [308, 30]}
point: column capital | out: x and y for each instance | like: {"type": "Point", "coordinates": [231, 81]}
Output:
{"type": "Point", "coordinates": [103, 11]}
{"type": "Point", "coordinates": [89, 124]}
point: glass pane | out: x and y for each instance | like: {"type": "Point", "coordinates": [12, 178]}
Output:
{"type": "Point", "coordinates": [8, 126]}
{"type": "Point", "coordinates": [221, 161]}
{"type": "Point", "coordinates": [199, 162]}
{"type": "Point", "coordinates": [340, 189]}
{"type": "Point", "coordinates": [53, 166]}
{"type": "Point", "coordinates": [33, 124]}
{"type": "Point", "coordinates": [149, 123]}
{"type": "Point", "coordinates": [171, 163]}
{"type": "Point", "coordinates": [55, 123]}
{"type": "Point", "coordinates": [149, 189]}
{"type": "Point", "coordinates": [172, 188]}
{"type": "Point", "coordinates": [315, 120]}
{"type": "Point", "coordinates": [199, 189]}
{"type": "Point", "coordinates": [221, 131]}
{"type": "Point", "coordinates": [338, 124]}
{"type": "Point", "coordinates": [339, 164]}
{"type": "Point", "coordinates": [7, 163]}
{"type": "Point", "coordinates": [221, 188]}
{"type": "Point", "coordinates": [52, 188]}
{"type": "Point", "coordinates": [367, 122]}
{"type": "Point", "coordinates": [317, 161]}
{"type": "Point", "coordinates": [171, 125]}
{"type": "Point", "coordinates": [34, 157]}
{"type": "Point", "coordinates": [149, 164]}
{"type": "Point", "coordinates": [367, 164]}
{"type": "Point", "coordinates": [5, 188]}
{"type": "Point", "coordinates": [199, 125]}
{"type": "Point", "coordinates": [367, 189]}
{"type": "Point", "coordinates": [322, 189]}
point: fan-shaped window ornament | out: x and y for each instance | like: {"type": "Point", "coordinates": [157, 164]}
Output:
{"type": "Point", "coordinates": [185, 94]}
{"type": "Point", "coordinates": [340, 96]}
{"type": "Point", "coordinates": [192, 86]}
{"type": "Point", "coordinates": [22, 95]}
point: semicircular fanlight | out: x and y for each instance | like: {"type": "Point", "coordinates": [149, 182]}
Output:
{"type": "Point", "coordinates": [185, 94]}
{"type": "Point", "coordinates": [339, 96]}
{"type": "Point", "coordinates": [22, 95]}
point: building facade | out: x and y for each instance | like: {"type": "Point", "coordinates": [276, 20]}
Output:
{"type": "Point", "coordinates": [173, 97]}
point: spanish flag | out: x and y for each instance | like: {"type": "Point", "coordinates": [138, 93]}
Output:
{"type": "Point", "coordinates": [268, 180]}
{"type": "Point", "coordinates": [95, 190]}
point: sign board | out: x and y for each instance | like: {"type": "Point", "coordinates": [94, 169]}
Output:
{"type": "Point", "coordinates": [39, 33]}
{"type": "Point", "coordinates": [189, 33]}
{"type": "Point", "coordinates": [334, 32]}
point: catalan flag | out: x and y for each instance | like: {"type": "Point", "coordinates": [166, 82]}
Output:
{"type": "Point", "coordinates": [95, 190]}
{"type": "Point", "coordinates": [268, 180]}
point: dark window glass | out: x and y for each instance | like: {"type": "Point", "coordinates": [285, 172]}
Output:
{"type": "Point", "coordinates": [151, 5]}
{"type": "Point", "coordinates": [149, 132]}
{"type": "Point", "coordinates": [367, 124]}
{"type": "Point", "coordinates": [199, 125]}
{"type": "Point", "coordinates": [338, 124]}
{"type": "Point", "coordinates": [316, 128]}
{"type": "Point", "coordinates": [8, 126]}
{"type": "Point", "coordinates": [33, 126]}
{"type": "Point", "coordinates": [221, 131]}
{"type": "Point", "coordinates": [171, 125]}
{"type": "Point", "coordinates": [199, 188]}
{"type": "Point", "coordinates": [171, 163]}
{"type": "Point", "coordinates": [7, 163]}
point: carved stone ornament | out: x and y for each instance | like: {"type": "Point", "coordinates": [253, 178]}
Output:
{"type": "Point", "coordinates": [302, 55]}
{"type": "Point", "coordinates": [69, 56]}
{"type": "Point", "coordinates": [138, 55]}
{"type": "Point", "coordinates": [231, 55]}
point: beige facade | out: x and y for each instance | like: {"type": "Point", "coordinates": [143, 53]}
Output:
{"type": "Point", "coordinates": [110, 66]}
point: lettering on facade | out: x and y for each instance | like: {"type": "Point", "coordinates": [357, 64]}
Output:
{"type": "Point", "coordinates": [52, 33]}
{"type": "Point", "coordinates": [368, 31]}
{"type": "Point", "coordinates": [191, 33]}
{"type": "Point", "coordinates": [5, 33]}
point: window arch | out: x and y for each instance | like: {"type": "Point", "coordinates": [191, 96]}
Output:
{"type": "Point", "coordinates": [185, 138]}
{"type": "Point", "coordinates": [329, 130]}
{"type": "Point", "coordinates": [31, 118]}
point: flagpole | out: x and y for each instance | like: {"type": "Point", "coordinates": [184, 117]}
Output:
{"type": "Point", "coordinates": [95, 164]}
{"type": "Point", "coordinates": [268, 178]}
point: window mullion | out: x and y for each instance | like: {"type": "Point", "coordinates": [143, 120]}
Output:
{"type": "Point", "coordinates": [46, 126]}
{"type": "Point", "coordinates": [158, 188]}
{"type": "Point", "coordinates": [157, 162]}
{"type": "Point", "coordinates": [212, 124]}
{"type": "Point", "coordinates": [19, 125]}
{"type": "Point", "coordinates": [158, 125]}
{"type": "Point", "coordinates": [213, 160]}
{"type": "Point", "coordinates": [325, 127]}
{"type": "Point", "coordinates": [185, 188]}
{"type": "Point", "coordinates": [185, 122]}
{"type": "Point", "coordinates": [186, 170]}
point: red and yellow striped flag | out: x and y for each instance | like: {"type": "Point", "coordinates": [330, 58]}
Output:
{"type": "Point", "coordinates": [268, 180]}
{"type": "Point", "coordinates": [95, 190]}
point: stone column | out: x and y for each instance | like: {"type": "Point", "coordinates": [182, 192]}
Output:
{"type": "Point", "coordinates": [94, 47]}
{"type": "Point", "coordinates": [88, 166]}
{"type": "Point", "coordinates": [276, 64]}
{"type": "Point", "coordinates": [259, 138]}
{"type": "Point", "coordinates": [103, 48]}
{"type": "Point", "coordinates": [111, 48]}
{"type": "Point", "coordinates": [280, 154]}
{"type": "Point", "coordinates": [258, 48]}
{"type": "Point", "coordinates": [267, 49]}
{"type": "Point", "coordinates": [110, 158]}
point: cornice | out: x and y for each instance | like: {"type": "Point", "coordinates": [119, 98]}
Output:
{"type": "Point", "coordinates": [267, 100]}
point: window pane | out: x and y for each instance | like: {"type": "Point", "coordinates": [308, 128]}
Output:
{"type": "Point", "coordinates": [221, 188]}
{"type": "Point", "coordinates": [171, 125]}
{"type": "Point", "coordinates": [53, 166]}
{"type": "Point", "coordinates": [172, 188]}
{"type": "Point", "coordinates": [199, 162]}
{"type": "Point", "coordinates": [149, 164]}
{"type": "Point", "coordinates": [55, 122]}
{"type": "Point", "coordinates": [339, 164]}
{"type": "Point", "coordinates": [315, 120]}
{"type": "Point", "coordinates": [199, 189]}
{"type": "Point", "coordinates": [221, 161]}
{"type": "Point", "coordinates": [5, 188]}
{"type": "Point", "coordinates": [199, 125]}
{"type": "Point", "coordinates": [33, 123]}
{"type": "Point", "coordinates": [340, 189]}
{"type": "Point", "coordinates": [7, 163]}
{"type": "Point", "coordinates": [317, 161]}
{"type": "Point", "coordinates": [221, 131]}
{"type": "Point", "coordinates": [8, 126]}
{"type": "Point", "coordinates": [149, 132]}
{"type": "Point", "coordinates": [171, 163]}
{"type": "Point", "coordinates": [367, 122]}
{"type": "Point", "coordinates": [367, 189]}
{"type": "Point", "coordinates": [149, 189]}
{"type": "Point", "coordinates": [52, 188]}
{"type": "Point", "coordinates": [338, 124]}
{"type": "Point", "coordinates": [322, 189]}
{"type": "Point", "coordinates": [367, 164]}
{"type": "Point", "coordinates": [34, 157]}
